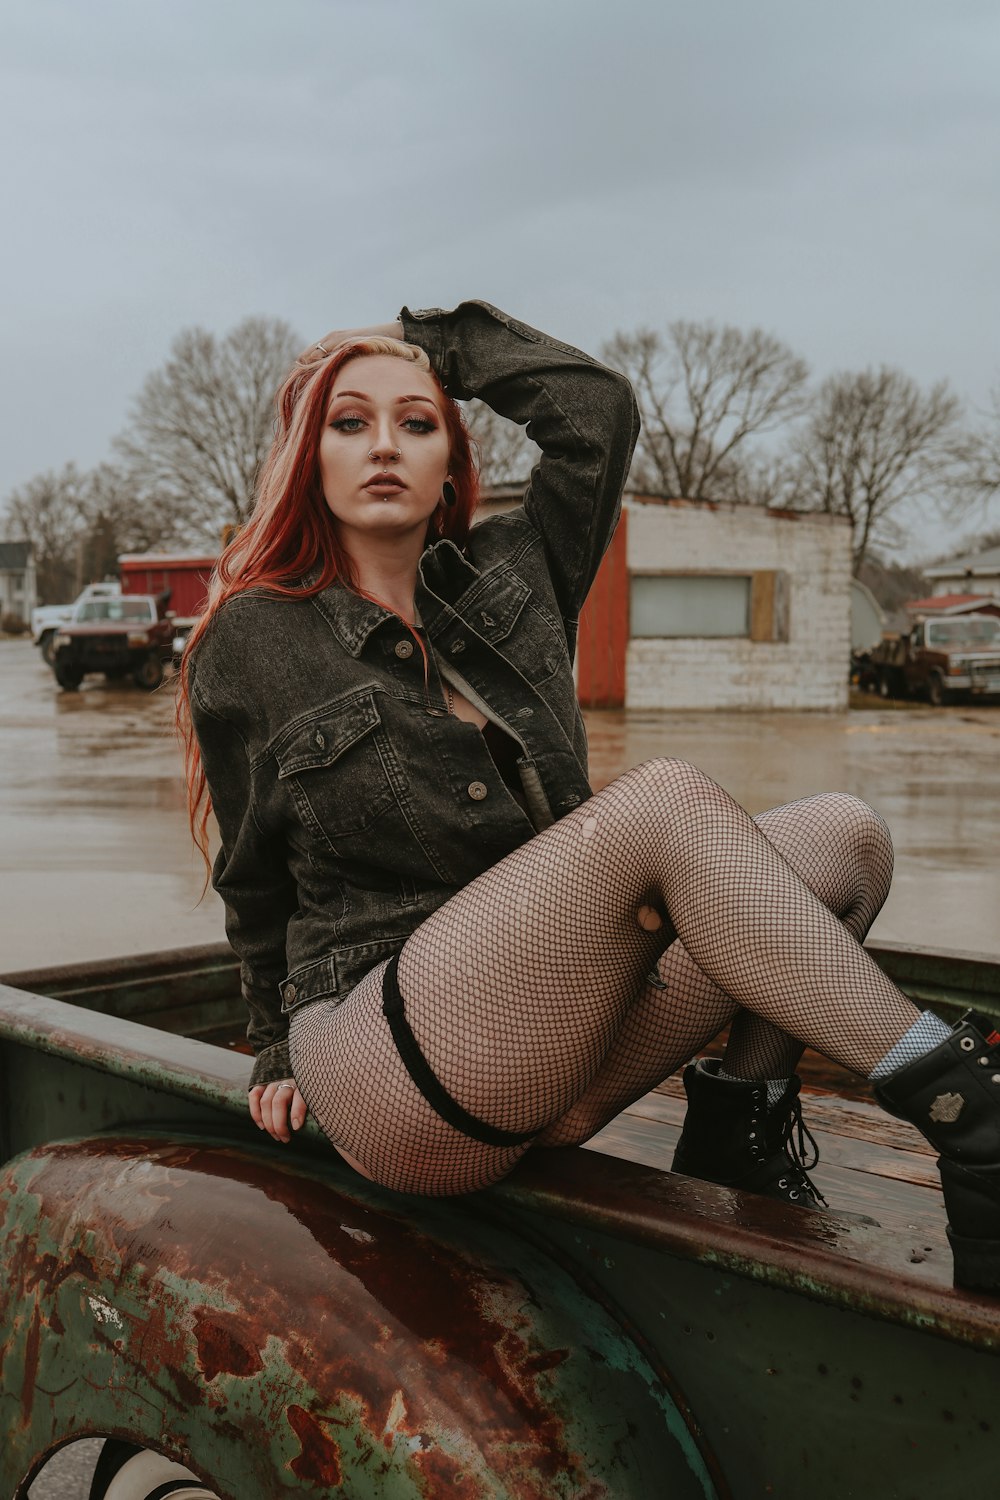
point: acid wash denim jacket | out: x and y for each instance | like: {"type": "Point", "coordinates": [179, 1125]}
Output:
{"type": "Point", "coordinates": [348, 811]}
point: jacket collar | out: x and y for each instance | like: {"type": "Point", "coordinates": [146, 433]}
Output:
{"type": "Point", "coordinates": [443, 573]}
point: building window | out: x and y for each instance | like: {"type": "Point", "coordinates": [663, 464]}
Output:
{"type": "Point", "coordinates": [706, 605]}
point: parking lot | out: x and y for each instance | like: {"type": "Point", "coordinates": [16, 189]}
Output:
{"type": "Point", "coordinates": [96, 859]}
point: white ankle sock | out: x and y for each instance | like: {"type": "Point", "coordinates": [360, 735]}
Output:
{"type": "Point", "coordinates": [927, 1032]}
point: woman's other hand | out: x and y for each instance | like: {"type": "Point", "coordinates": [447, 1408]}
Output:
{"type": "Point", "coordinates": [326, 345]}
{"type": "Point", "coordinates": [278, 1108]}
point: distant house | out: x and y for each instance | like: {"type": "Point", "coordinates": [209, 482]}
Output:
{"type": "Point", "coordinates": [17, 580]}
{"type": "Point", "coordinates": [975, 573]}
{"type": "Point", "coordinates": [937, 605]}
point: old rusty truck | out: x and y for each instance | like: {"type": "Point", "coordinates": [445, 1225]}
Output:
{"type": "Point", "coordinates": [131, 635]}
{"type": "Point", "coordinates": [940, 660]}
{"type": "Point", "coordinates": [249, 1321]}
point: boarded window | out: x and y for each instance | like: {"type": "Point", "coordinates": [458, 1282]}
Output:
{"type": "Point", "coordinates": [706, 605]}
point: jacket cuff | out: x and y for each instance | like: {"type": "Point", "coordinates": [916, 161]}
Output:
{"type": "Point", "coordinates": [424, 329]}
{"type": "Point", "coordinates": [272, 1065]}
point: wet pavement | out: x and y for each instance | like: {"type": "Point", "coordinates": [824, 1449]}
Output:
{"type": "Point", "coordinates": [96, 860]}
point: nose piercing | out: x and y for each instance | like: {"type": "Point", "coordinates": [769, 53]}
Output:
{"type": "Point", "coordinates": [393, 457]}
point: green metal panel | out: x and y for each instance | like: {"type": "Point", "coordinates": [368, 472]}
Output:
{"type": "Point", "coordinates": [804, 1401]}
{"type": "Point", "coordinates": [279, 1334]}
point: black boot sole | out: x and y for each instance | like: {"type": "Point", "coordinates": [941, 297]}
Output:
{"type": "Point", "coordinates": [977, 1262]}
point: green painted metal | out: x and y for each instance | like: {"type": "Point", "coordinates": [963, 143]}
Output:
{"type": "Point", "coordinates": [755, 1333]}
{"type": "Point", "coordinates": [278, 1334]}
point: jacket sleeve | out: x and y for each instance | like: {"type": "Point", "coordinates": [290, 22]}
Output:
{"type": "Point", "coordinates": [252, 877]}
{"type": "Point", "coordinates": [582, 416]}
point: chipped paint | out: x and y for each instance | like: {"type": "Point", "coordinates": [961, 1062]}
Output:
{"type": "Point", "coordinates": [249, 1319]}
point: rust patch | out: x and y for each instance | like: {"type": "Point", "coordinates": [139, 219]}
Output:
{"type": "Point", "coordinates": [225, 1344]}
{"type": "Point", "coordinates": [319, 1459]}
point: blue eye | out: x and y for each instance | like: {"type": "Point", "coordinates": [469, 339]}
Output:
{"type": "Point", "coordinates": [348, 424]}
{"type": "Point", "coordinates": [420, 424]}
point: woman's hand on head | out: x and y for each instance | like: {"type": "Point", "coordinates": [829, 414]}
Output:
{"type": "Point", "coordinates": [336, 336]}
{"type": "Point", "coordinates": [278, 1108]}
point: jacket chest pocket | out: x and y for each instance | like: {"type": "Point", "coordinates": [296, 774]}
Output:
{"type": "Point", "coordinates": [343, 774]}
{"type": "Point", "coordinates": [506, 617]}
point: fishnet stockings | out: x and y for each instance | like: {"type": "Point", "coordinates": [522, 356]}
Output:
{"type": "Point", "coordinates": [529, 991]}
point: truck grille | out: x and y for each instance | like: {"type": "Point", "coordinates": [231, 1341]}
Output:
{"type": "Point", "coordinates": [986, 674]}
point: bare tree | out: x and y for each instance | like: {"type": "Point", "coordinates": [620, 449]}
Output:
{"type": "Point", "coordinates": [49, 512]}
{"type": "Point", "coordinates": [506, 453]}
{"type": "Point", "coordinates": [118, 517]}
{"type": "Point", "coordinates": [703, 392]}
{"type": "Point", "coordinates": [202, 424]}
{"type": "Point", "coordinates": [980, 480]}
{"type": "Point", "coordinates": [873, 442]}
{"type": "Point", "coordinates": [79, 522]}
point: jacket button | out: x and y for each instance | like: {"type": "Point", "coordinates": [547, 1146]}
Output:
{"type": "Point", "coordinates": [477, 791]}
{"type": "Point", "coordinates": [404, 649]}
{"type": "Point", "coordinates": [289, 992]}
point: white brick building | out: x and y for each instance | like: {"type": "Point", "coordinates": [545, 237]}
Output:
{"type": "Point", "coordinates": [720, 606]}
{"type": "Point", "coordinates": [17, 580]}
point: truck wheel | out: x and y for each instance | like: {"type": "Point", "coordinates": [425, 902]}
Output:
{"type": "Point", "coordinates": [937, 693]}
{"type": "Point", "coordinates": [47, 647]}
{"type": "Point", "coordinates": [149, 673]}
{"type": "Point", "coordinates": [125, 1472]}
{"type": "Point", "coordinates": [68, 678]}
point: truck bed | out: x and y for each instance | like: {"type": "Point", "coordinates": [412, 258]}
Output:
{"type": "Point", "coordinates": [872, 1167]}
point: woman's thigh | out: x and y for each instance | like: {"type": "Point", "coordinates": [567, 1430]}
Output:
{"type": "Point", "coordinates": [515, 990]}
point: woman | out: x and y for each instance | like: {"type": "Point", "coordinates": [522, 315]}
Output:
{"type": "Point", "coordinates": [450, 950]}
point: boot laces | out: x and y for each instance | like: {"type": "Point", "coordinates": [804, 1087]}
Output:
{"type": "Point", "coordinates": [795, 1134]}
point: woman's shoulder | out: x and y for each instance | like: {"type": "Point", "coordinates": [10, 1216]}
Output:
{"type": "Point", "coordinates": [246, 640]}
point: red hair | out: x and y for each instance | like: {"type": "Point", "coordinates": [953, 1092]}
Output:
{"type": "Point", "coordinates": [291, 531]}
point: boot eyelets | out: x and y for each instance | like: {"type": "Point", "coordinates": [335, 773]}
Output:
{"type": "Point", "coordinates": [793, 1194]}
{"type": "Point", "coordinates": [782, 1182]}
{"type": "Point", "coordinates": [967, 1044]}
{"type": "Point", "coordinates": [983, 1062]}
{"type": "Point", "coordinates": [995, 1078]}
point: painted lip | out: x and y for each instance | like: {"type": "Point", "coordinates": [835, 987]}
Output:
{"type": "Point", "coordinates": [386, 484]}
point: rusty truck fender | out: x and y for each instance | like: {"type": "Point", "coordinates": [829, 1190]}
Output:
{"type": "Point", "coordinates": [279, 1332]}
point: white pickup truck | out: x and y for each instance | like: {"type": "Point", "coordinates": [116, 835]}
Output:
{"type": "Point", "coordinates": [47, 618]}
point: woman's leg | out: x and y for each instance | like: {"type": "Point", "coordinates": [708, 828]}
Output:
{"type": "Point", "coordinates": [842, 849]}
{"type": "Point", "coordinates": [517, 987]}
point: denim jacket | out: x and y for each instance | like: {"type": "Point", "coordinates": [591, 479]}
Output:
{"type": "Point", "coordinates": [349, 805]}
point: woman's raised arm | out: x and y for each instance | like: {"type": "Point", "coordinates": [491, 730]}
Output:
{"type": "Point", "coordinates": [582, 415]}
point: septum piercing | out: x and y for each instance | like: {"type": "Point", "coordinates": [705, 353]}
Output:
{"type": "Point", "coordinates": [395, 457]}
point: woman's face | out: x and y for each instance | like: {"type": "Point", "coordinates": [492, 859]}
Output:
{"type": "Point", "coordinates": [381, 407]}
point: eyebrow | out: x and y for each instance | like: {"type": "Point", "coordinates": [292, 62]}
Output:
{"type": "Point", "coordinates": [400, 400]}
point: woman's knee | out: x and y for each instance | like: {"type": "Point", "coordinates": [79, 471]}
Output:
{"type": "Point", "coordinates": [864, 831]}
{"type": "Point", "coordinates": [669, 781]}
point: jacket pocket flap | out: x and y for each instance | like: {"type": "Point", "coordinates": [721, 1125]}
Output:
{"type": "Point", "coordinates": [324, 738]}
{"type": "Point", "coordinates": [494, 610]}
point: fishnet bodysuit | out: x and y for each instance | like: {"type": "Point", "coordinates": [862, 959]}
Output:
{"type": "Point", "coordinates": [530, 991]}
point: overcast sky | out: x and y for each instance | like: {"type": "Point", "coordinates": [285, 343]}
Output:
{"type": "Point", "coordinates": [827, 171]}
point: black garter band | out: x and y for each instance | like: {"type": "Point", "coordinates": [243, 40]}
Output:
{"type": "Point", "coordinates": [426, 1079]}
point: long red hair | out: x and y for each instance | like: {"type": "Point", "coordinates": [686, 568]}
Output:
{"type": "Point", "coordinates": [291, 531]}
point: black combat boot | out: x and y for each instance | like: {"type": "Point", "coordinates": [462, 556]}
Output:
{"type": "Point", "coordinates": [952, 1096]}
{"type": "Point", "coordinates": [730, 1136]}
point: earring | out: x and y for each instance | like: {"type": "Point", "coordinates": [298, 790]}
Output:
{"type": "Point", "coordinates": [448, 494]}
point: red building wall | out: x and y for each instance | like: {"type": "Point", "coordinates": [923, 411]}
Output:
{"type": "Point", "coordinates": [185, 577]}
{"type": "Point", "coordinates": [604, 630]}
